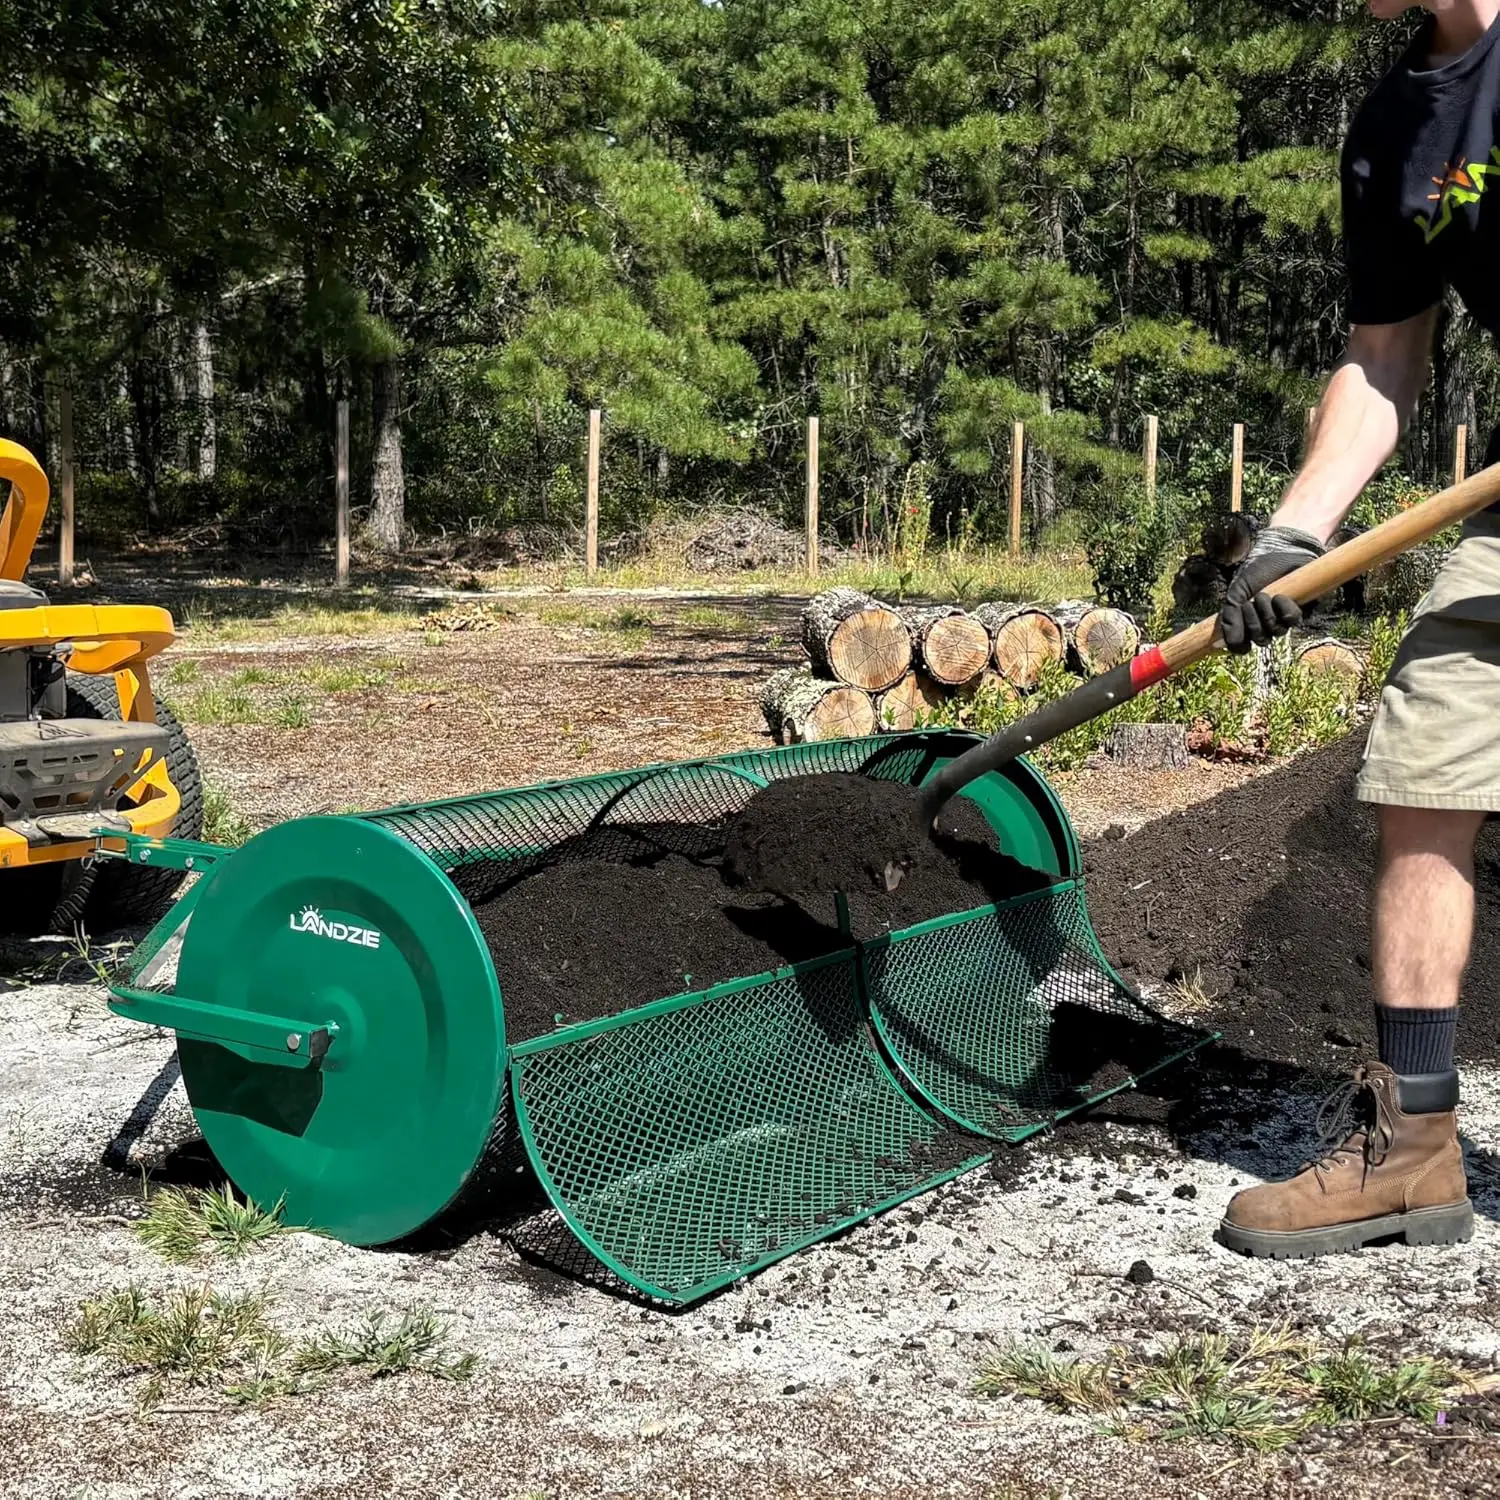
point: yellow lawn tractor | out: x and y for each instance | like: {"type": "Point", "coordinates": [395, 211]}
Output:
{"type": "Point", "coordinates": [86, 751]}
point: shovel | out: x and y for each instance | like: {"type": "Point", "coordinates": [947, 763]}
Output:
{"type": "Point", "coordinates": [1119, 685]}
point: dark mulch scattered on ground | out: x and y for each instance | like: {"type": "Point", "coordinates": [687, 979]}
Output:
{"type": "Point", "coordinates": [630, 914]}
{"type": "Point", "coordinates": [1264, 892]}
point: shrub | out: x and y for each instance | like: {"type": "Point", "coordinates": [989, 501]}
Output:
{"type": "Point", "coordinates": [1130, 544]}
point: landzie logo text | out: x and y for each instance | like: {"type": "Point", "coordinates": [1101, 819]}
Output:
{"type": "Point", "coordinates": [310, 919]}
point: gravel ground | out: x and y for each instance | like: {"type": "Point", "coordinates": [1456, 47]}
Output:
{"type": "Point", "coordinates": [844, 1370]}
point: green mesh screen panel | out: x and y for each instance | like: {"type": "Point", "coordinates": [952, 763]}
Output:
{"type": "Point", "coordinates": [1008, 1018]}
{"type": "Point", "coordinates": [483, 842]}
{"type": "Point", "coordinates": [705, 1137]}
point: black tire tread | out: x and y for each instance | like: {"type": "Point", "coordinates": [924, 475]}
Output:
{"type": "Point", "coordinates": [120, 894]}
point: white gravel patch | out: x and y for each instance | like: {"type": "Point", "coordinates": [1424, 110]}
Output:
{"type": "Point", "coordinates": [843, 1370]}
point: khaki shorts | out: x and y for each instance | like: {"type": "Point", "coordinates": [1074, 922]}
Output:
{"type": "Point", "coordinates": [1435, 740]}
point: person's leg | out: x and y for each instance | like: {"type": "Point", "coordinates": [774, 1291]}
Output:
{"type": "Point", "coordinates": [1388, 1159]}
{"type": "Point", "coordinates": [1422, 924]}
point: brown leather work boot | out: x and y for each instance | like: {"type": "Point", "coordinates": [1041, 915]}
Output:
{"type": "Point", "coordinates": [1398, 1171]}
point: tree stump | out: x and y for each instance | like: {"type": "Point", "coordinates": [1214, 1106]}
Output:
{"type": "Point", "coordinates": [800, 707]}
{"type": "Point", "coordinates": [1025, 638]}
{"type": "Point", "coordinates": [1148, 747]}
{"type": "Point", "coordinates": [950, 646]}
{"type": "Point", "coordinates": [1330, 655]}
{"type": "Point", "coordinates": [1099, 637]}
{"type": "Point", "coordinates": [900, 706]}
{"type": "Point", "coordinates": [855, 638]}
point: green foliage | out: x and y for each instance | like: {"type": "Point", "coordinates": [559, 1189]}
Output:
{"type": "Point", "coordinates": [1386, 634]}
{"type": "Point", "coordinates": [1129, 543]}
{"type": "Point", "coordinates": [223, 822]}
{"type": "Point", "coordinates": [1307, 709]}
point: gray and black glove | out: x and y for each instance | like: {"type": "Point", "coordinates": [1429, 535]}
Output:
{"type": "Point", "coordinates": [1250, 617]}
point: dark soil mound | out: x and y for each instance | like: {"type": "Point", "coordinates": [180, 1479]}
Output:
{"type": "Point", "coordinates": [1265, 892]}
{"type": "Point", "coordinates": [810, 834]}
{"type": "Point", "coordinates": [627, 915]}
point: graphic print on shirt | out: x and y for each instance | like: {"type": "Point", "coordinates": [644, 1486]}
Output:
{"type": "Point", "coordinates": [1458, 185]}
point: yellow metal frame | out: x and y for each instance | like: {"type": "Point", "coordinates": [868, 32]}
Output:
{"type": "Point", "coordinates": [103, 638]}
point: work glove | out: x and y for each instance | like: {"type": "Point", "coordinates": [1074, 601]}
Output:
{"type": "Point", "coordinates": [1250, 617]}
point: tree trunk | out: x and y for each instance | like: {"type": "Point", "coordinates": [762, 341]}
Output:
{"type": "Point", "coordinates": [1402, 582]}
{"type": "Point", "coordinates": [179, 354]}
{"type": "Point", "coordinates": [800, 707]}
{"type": "Point", "coordinates": [1330, 655]}
{"type": "Point", "coordinates": [1025, 638]}
{"type": "Point", "coordinates": [850, 636]}
{"type": "Point", "coordinates": [387, 526]}
{"type": "Point", "coordinates": [952, 646]}
{"type": "Point", "coordinates": [205, 452]}
{"type": "Point", "coordinates": [1227, 539]}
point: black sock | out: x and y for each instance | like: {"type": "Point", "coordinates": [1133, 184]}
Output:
{"type": "Point", "coordinates": [1416, 1041]}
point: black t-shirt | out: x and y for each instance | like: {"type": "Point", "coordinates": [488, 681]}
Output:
{"type": "Point", "coordinates": [1420, 167]}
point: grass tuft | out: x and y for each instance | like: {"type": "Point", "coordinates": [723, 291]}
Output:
{"type": "Point", "coordinates": [291, 713]}
{"type": "Point", "coordinates": [180, 1224]}
{"type": "Point", "coordinates": [1260, 1392]}
{"type": "Point", "coordinates": [417, 1341]}
{"type": "Point", "coordinates": [219, 703]}
{"type": "Point", "coordinates": [223, 822]}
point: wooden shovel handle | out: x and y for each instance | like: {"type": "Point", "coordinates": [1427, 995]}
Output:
{"type": "Point", "coordinates": [1122, 683]}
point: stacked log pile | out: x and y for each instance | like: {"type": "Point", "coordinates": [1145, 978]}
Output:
{"type": "Point", "coordinates": [872, 665]}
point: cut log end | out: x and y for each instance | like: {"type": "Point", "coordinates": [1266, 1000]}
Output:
{"type": "Point", "coordinates": [954, 650]}
{"type": "Point", "coordinates": [1024, 645]}
{"type": "Point", "coordinates": [870, 649]}
{"type": "Point", "coordinates": [1103, 638]}
{"type": "Point", "coordinates": [855, 638]}
{"type": "Point", "coordinates": [1331, 656]}
{"type": "Point", "coordinates": [903, 705]}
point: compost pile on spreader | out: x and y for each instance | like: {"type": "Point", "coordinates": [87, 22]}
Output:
{"type": "Point", "coordinates": [1262, 897]}
{"type": "Point", "coordinates": [631, 913]}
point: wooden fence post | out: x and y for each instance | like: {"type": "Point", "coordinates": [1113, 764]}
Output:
{"type": "Point", "coordinates": [591, 511]}
{"type": "Point", "coordinates": [65, 484]}
{"type": "Point", "coordinates": [1237, 469]}
{"type": "Point", "coordinates": [1017, 454]}
{"type": "Point", "coordinates": [1150, 458]}
{"type": "Point", "coordinates": [341, 493]}
{"type": "Point", "coordinates": [1461, 453]}
{"type": "Point", "coordinates": [812, 497]}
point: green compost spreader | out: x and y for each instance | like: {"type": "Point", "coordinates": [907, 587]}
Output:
{"type": "Point", "coordinates": [342, 1038]}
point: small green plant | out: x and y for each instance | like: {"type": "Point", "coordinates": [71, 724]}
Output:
{"type": "Point", "coordinates": [345, 677]}
{"type": "Point", "coordinates": [913, 519]}
{"type": "Point", "coordinates": [711, 617]}
{"type": "Point", "coordinates": [226, 1344]}
{"type": "Point", "coordinates": [199, 1337]}
{"type": "Point", "coordinates": [414, 1342]}
{"type": "Point", "coordinates": [1386, 635]}
{"type": "Point", "coordinates": [291, 713]}
{"type": "Point", "coordinates": [252, 677]}
{"type": "Point", "coordinates": [180, 1224]}
{"type": "Point", "coordinates": [184, 673]}
{"type": "Point", "coordinates": [223, 822]}
{"type": "Point", "coordinates": [1353, 1387]}
{"type": "Point", "coordinates": [218, 703]}
{"type": "Point", "coordinates": [1308, 708]}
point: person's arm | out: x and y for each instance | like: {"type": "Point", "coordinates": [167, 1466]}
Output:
{"type": "Point", "coordinates": [1360, 420]}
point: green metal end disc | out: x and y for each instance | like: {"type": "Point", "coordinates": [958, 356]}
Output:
{"type": "Point", "coordinates": [336, 921]}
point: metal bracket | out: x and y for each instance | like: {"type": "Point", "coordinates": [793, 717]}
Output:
{"type": "Point", "coordinates": [286, 1042]}
{"type": "Point", "coordinates": [163, 853]}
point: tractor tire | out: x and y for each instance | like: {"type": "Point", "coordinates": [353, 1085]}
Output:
{"type": "Point", "coordinates": [119, 893]}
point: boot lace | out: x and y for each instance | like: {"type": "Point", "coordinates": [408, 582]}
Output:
{"type": "Point", "coordinates": [1354, 1116]}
